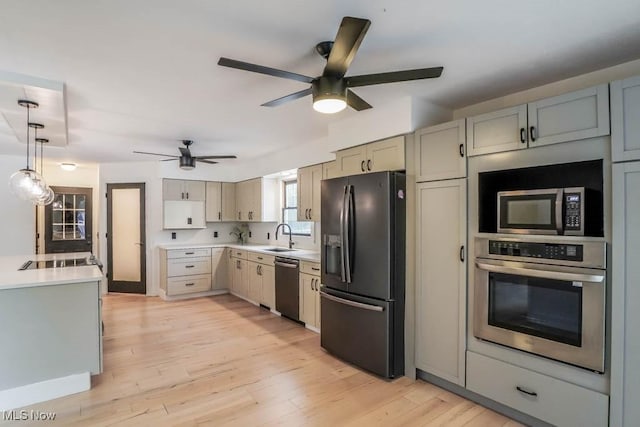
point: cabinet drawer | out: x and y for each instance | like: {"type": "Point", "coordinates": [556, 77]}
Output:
{"type": "Point", "coordinates": [239, 253]}
{"type": "Point", "coordinates": [188, 284]}
{"type": "Point", "coordinates": [185, 253]}
{"type": "Point", "coordinates": [312, 268]}
{"type": "Point", "coordinates": [261, 258]}
{"type": "Point", "coordinates": [536, 394]}
{"type": "Point", "coordinates": [188, 266]}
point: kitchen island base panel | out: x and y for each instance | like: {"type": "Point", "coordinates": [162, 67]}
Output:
{"type": "Point", "coordinates": [46, 390]}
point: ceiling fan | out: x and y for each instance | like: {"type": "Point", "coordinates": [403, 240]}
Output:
{"type": "Point", "coordinates": [187, 161]}
{"type": "Point", "coordinates": [331, 91]}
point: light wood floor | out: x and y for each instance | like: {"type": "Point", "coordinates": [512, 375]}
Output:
{"type": "Point", "coordinates": [221, 361]}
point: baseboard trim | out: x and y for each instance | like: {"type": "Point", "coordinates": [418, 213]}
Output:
{"type": "Point", "coordinates": [42, 391]}
{"type": "Point", "coordinates": [163, 295]}
{"type": "Point", "coordinates": [481, 400]}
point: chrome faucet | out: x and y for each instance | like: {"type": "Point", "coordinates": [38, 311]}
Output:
{"type": "Point", "coordinates": [283, 225]}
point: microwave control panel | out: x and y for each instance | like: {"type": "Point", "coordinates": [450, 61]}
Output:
{"type": "Point", "coordinates": [573, 211]}
{"type": "Point", "coordinates": [559, 251]}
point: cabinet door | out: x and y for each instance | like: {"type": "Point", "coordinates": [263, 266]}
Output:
{"type": "Point", "coordinates": [240, 277]}
{"type": "Point", "coordinates": [256, 200]}
{"type": "Point", "coordinates": [501, 130]}
{"type": "Point", "coordinates": [316, 180]}
{"type": "Point", "coordinates": [305, 189]}
{"type": "Point", "coordinates": [330, 170]}
{"type": "Point", "coordinates": [318, 303]}
{"type": "Point", "coordinates": [242, 201]}
{"type": "Point", "coordinates": [386, 155]}
{"type": "Point", "coordinates": [254, 281]}
{"type": "Point", "coordinates": [569, 117]}
{"type": "Point", "coordinates": [173, 189]}
{"type": "Point", "coordinates": [229, 212]}
{"type": "Point", "coordinates": [195, 190]}
{"type": "Point", "coordinates": [352, 161]}
{"type": "Point", "coordinates": [219, 269]}
{"type": "Point", "coordinates": [214, 202]}
{"type": "Point", "coordinates": [231, 268]}
{"type": "Point", "coordinates": [441, 279]}
{"type": "Point", "coordinates": [625, 295]}
{"type": "Point", "coordinates": [308, 299]}
{"type": "Point", "coordinates": [625, 119]}
{"type": "Point", "coordinates": [440, 152]}
{"type": "Point", "coordinates": [268, 285]}
{"type": "Point", "coordinates": [183, 214]}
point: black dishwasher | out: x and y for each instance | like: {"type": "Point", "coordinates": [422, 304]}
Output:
{"type": "Point", "coordinates": [287, 289]}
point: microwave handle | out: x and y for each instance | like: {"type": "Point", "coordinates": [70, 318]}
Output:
{"type": "Point", "coordinates": [555, 275]}
{"type": "Point", "coordinates": [559, 217]}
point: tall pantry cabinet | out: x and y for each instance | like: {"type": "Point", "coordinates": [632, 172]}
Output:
{"type": "Point", "coordinates": [441, 201]}
{"type": "Point", "coordinates": [625, 271]}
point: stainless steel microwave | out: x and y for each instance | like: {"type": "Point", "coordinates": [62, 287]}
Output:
{"type": "Point", "coordinates": [549, 211]}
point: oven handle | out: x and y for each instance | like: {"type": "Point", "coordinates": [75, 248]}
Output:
{"type": "Point", "coordinates": [555, 275]}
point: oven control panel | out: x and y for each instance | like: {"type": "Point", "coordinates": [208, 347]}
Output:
{"type": "Point", "coordinates": [559, 251]}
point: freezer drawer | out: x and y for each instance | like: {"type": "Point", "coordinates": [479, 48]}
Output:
{"type": "Point", "coordinates": [358, 330]}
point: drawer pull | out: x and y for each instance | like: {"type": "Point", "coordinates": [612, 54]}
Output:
{"type": "Point", "coordinates": [189, 253]}
{"type": "Point", "coordinates": [189, 266]}
{"type": "Point", "coordinates": [527, 392]}
{"type": "Point", "coordinates": [315, 268]}
{"type": "Point", "coordinates": [189, 284]}
{"type": "Point", "coordinates": [259, 257]}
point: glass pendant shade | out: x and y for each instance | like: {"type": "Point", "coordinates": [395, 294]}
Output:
{"type": "Point", "coordinates": [24, 183]}
{"type": "Point", "coordinates": [46, 198]}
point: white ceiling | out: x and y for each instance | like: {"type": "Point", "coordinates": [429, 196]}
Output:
{"type": "Point", "coordinates": [142, 74]}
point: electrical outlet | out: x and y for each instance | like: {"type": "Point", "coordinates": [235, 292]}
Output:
{"type": "Point", "coordinates": [215, 234]}
{"type": "Point", "coordinates": [173, 235]}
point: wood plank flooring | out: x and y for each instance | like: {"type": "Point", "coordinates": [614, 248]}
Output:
{"type": "Point", "coordinates": [222, 361]}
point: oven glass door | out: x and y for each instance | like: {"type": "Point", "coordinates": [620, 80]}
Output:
{"type": "Point", "coordinates": [550, 310]}
{"type": "Point", "coordinates": [545, 308]}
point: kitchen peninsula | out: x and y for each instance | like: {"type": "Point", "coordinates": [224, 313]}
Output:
{"type": "Point", "coordinates": [51, 339]}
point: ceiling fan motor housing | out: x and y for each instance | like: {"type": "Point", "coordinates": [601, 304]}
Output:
{"type": "Point", "coordinates": [187, 162]}
{"type": "Point", "coordinates": [329, 88]}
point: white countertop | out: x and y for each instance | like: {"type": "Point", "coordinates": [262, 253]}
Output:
{"type": "Point", "coordinates": [12, 278]}
{"type": "Point", "coordinates": [301, 254]}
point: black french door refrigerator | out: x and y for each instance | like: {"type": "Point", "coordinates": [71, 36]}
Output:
{"type": "Point", "coordinates": [363, 270]}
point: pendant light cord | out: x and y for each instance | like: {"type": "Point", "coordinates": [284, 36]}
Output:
{"type": "Point", "coordinates": [35, 149]}
{"type": "Point", "coordinates": [28, 120]}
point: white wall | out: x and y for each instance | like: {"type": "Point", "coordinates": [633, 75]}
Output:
{"type": "Point", "coordinates": [18, 224]}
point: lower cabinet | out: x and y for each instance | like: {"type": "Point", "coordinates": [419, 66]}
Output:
{"type": "Point", "coordinates": [240, 273]}
{"type": "Point", "coordinates": [310, 293]}
{"type": "Point", "coordinates": [548, 399]}
{"type": "Point", "coordinates": [441, 279]}
{"type": "Point", "coordinates": [219, 278]}
{"type": "Point", "coordinates": [262, 279]}
{"type": "Point", "coordinates": [185, 271]}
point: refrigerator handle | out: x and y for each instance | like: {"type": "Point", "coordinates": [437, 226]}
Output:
{"type": "Point", "coordinates": [348, 222]}
{"type": "Point", "coordinates": [342, 242]}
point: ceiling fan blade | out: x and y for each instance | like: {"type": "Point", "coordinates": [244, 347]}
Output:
{"type": "Point", "coordinates": [355, 102]}
{"type": "Point", "coordinates": [168, 160]}
{"type": "Point", "coordinates": [287, 98]}
{"type": "Point", "coordinates": [394, 76]}
{"type": "Point", "coordinates": [345, 46]}
{"type": "Point", "coordinates": [184, 151]}
{"type": "Point", "coordinates": [156, 154]}
{"type": "Point", "coordinates": [206, 161]}
{"type": "Point", "coordinates": [216, 157]}
{"type": "Point", "coordinates": [232, 63]}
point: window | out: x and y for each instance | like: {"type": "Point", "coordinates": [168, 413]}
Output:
{"type": "Point", "coordinates": [290, 211]}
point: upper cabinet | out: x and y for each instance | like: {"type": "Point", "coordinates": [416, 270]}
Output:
{"type": "Point", "coordinates": [214, 202]}
{"type": "Point", "coordinates": [228, 191]}
{"type": "Point", "coordinates": [384, 155]}
{"type": "Point", "coordinates": [625, 119]}
{"type": "Point", "coordinates": [330, 170]}
{"type": "Point", "coordinates": [177, 189]}
{"type": "Point", "coordinates": [440, 152]}
{"type": "Point", "coordinates": [568, 117]}
{"type": "Point", "coordinates": [256, 200]}
{"type": "Point", "coordinates": [309, 179]}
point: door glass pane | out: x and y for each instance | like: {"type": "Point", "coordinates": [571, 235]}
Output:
{"type": "Point", "coordinates": [126, 235]}
{"type": "Point", "coordinates": [545, 308]}
{"type": "Point", "coordinates": [68, 217]}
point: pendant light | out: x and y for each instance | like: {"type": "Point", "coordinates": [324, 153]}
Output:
{"type": "Point", "coordinates": [22, 181]}
{"type": "Point", "coordinates": [48, 195]}
{"type": "Point", "coordinates": [39, 187]}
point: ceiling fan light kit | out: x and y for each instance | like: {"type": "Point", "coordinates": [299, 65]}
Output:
{"type": "Point", "coordinates": [329, 95]}
{"type": "Point", "coordinates": [331, 91]}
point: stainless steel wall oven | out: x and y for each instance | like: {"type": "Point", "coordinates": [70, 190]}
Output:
{"type": "Point", "coordinates": [542, 295]}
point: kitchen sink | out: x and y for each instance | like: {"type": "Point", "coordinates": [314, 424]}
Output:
{"type": "Point", "coordinates": [279, 250]}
